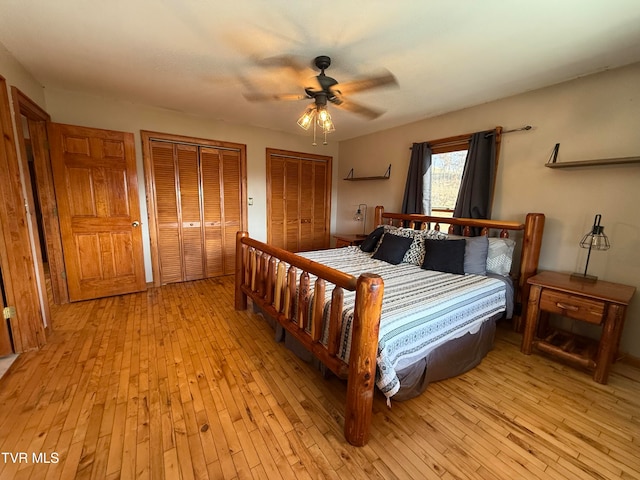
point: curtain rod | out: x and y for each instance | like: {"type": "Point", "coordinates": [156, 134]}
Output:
{"type": "Point", "coordinates": [526, 127]}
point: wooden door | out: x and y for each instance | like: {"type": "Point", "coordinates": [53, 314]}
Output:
{"type": "Point", "coordinates": [298, 200]}
{"type": "Point", "coordinates": [197, 203]}
{"type": "Point", "coordinates": [96, 186]}
{"type": "Point", "coordinates": [166, 215]}
{"type": "Point", "coordinates": [191, 216]}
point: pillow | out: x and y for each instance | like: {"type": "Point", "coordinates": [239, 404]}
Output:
{"type": "Point", "coordinates": [445, 257]}
{"type": "Point", "coordinates": [392, 248]}
{"type": "Point", "coordinates": [415, 254]}
{"type": "Point", "coordinates": [385, 229]}
{"type": "Point", "coordinates": [369, 243]}
{"type": "Point", "coordinates": [475, 253]}
{"type": "Point", "coordinates": [500, 255]}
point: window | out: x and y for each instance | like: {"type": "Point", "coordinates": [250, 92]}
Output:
{"type": "Point", "coordinates": [446, 174]}
{"type": "Point", "coordinates": [442, 181]}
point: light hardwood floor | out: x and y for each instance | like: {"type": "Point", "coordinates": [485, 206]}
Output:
{"type": "Point", "coordinates": [173, 383]}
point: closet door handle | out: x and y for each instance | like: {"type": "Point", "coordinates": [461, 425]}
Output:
{"type": "Point", "coordinates": [135, 224]}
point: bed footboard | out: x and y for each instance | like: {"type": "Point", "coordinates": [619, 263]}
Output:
{"type": "Point", "coordinates": [268, 275]}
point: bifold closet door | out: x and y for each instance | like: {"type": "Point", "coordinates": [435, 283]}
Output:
{"type": "Point", "coordinates": [222, 212]}
{"type": "Point", "coordinates": [169, 238]}
{"type": "Point", "coordinates": [190, 209]}
{"type": "Point", "coordinates": [299, 192]}
{"type": "Point", "coordinates": [231, 185]}
{"type": "Point", "coordinates": [198, 199]}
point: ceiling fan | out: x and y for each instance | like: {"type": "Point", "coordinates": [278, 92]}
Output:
{"type": "Point", "coordinates": [326, 90]}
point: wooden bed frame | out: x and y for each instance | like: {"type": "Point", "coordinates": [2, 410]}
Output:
{"type": "Point", "coordinates": [268, 275]}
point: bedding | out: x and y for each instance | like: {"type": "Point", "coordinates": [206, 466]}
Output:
{"type": "Point", "coordinates": [421, 309]}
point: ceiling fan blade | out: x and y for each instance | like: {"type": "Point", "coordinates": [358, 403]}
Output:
{"type": "Point", "coordinates": [264, 97]}
{"type": "Point", "coordinates": [359, 109]}
{"type": "Point", "coordinates": [368, 83]}
{"type": "Point", "coordinates": [293, 64]}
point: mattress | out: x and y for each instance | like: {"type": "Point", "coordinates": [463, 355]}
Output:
{"type": "Point", "coordinates": [421, 309]}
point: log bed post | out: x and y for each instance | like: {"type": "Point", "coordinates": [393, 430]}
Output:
{"type": "Point", "coordinates": [531, 244]}
{"type": "Point", "coordinates": [240, 296]}
{"type": "Point", "coordinates": [362, 360]}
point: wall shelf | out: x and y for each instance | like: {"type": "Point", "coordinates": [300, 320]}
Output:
{"type": "Point", "coordinates": [351, 178]}
{"type": "Point", "coordinates": [593, 163]}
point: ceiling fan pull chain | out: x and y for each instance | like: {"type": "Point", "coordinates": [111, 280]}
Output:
{"type": "Point", "coordinates": [314, 144]}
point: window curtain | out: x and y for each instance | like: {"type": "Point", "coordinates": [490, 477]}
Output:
{"type": "Point", "coordinates": [419, 175]}
{"type": "Point", "coordinates": [476, 187]}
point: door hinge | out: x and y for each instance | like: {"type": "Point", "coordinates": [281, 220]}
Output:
{"type": "Point", "coordinates": [54, 212]}
{"type": "Point", "coordinates": [63, 274]}
{"type": "Point", "coordinates": [9, 312]}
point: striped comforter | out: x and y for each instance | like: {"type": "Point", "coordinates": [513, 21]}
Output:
{"type": "Point", "coordinates": [421, 309]}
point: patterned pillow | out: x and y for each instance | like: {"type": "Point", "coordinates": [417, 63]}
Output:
{"type": "Point", "coordinates": [500, 255]}
{"type": "Point", "coordinates": [415, 254]}
{"type": "Point", "coordinates": [392, 249]}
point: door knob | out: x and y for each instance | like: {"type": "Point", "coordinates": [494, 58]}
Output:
{"type": "Point", "coordinates": [135, 224]}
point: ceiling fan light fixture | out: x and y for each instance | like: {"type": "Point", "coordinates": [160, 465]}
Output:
{"type": "Point", "coordinates": [327, 126]}
{"type": "Point", "coordinates": [306, 119]}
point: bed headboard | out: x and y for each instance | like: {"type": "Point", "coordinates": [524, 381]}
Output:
{"type": "Point", "coordinates": [528, 236]}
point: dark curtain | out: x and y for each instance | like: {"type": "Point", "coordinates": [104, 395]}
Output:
{"type": "Point", "coordinates": [419, 165]}
{"type": "Point", "coordinates": [476, 187]}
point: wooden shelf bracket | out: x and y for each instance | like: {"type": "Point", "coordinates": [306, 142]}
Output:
{"type": "Point", "coordinates": [386, 176]}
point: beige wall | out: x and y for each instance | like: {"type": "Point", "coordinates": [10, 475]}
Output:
{"type": "Point", "coordinates": [98, 112]}
{"type": "Point", "coordinates": [592, 117]}
{"type": "Point", "coordinates": [17, 76]}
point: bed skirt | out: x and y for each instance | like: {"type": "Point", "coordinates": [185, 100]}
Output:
{"type": "Point", "coordinates": [451, 359]}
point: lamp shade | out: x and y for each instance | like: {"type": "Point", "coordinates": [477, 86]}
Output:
{"type": "Point", "coordinates": [592, 240]}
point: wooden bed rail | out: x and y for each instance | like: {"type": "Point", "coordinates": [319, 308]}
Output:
{"type": "Point", "coordinates": [269, 276]}
{"type": "Point", "coordinates": [412, 220]}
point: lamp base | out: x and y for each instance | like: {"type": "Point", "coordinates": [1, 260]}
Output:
{"type": "Point", "coordinates": [581, 277]}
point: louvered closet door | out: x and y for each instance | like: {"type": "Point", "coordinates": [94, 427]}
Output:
{"type": "Point", "coordinates": [212, 211]}
{"type": "Point", "coordinates": [189, 187]}
{"type": "Point", "coordinates": [199, 209]}
{"type": "Point", "coordinates": [291, 204]}
{"type": "Point", "coordinates": [306, 184]}
{"type": "Point", "coordinates": [320, 235]}
{"type": "Point", "coordinates": [298, 203]}
{"type": "Point", "coordinates": [276, 213]}
{"type": "Point", "coordinates": [232, 206]}
{"type": "Point", "coordinates": [169, 244]}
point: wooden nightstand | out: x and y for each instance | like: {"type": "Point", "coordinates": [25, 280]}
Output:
{"type": "Point", "coordinates": [600, 303]}
{"type": "Point", "coordinates": [348, 240]}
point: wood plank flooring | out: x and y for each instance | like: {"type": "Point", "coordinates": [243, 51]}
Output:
{"type": "Point", "coordinates": [173, 383]}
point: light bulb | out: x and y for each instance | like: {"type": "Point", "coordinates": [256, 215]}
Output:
{"type": "Point", "coordinates": [306, 119]}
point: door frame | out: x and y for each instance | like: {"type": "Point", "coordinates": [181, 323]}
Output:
{"type": "Point", "coordinates": [18, 265]}
{"type": "Point", "coordinates": [37, 120]}
{"type": "Point", "coordinates": [146, 138]}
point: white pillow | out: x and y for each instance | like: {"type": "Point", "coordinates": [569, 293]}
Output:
{"type": "Point", "coordinates": [500, 255]}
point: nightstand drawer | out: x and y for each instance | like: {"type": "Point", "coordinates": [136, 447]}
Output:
{"type": "Point", "coordinates": [572, 306]}
{"type": "Point", "coordinates": [342, 243]}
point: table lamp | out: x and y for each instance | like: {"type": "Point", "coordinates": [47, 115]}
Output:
{"type": "Point", "coordinates": [592, 240]}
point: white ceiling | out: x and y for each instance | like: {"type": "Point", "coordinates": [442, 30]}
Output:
{"type": "Point", "coordinates": [200, 56]}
